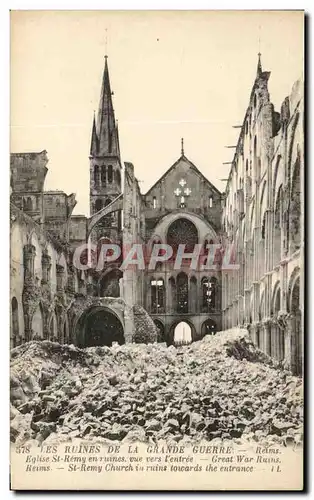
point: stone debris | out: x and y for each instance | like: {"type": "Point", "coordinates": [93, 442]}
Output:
{"type": "Point", "coordinates": [219, 388]}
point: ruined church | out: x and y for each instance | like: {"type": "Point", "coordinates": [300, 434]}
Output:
{"type": "Point", "coordinates": [259, 215]}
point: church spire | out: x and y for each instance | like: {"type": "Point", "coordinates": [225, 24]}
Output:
{"type": "Point", "coordinates": [106, 126]}
{"type": "Point", "coordinates": [94, 140]}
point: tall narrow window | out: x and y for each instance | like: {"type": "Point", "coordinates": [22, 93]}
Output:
{"type": "Point", "coordinates": [96, 175]}
{"type": "Point", "coordinates": [157, 296]}
{"type": "Point", "coordinates": [154, 202]}
{"type": "Point", "coordinates": [210, 202]}
{"type": "Point", "coordinates": [110, 174]}
{"type": "Point", "coordinates": [103, 175]}
{"type": "Point", "coordinates": [209, 292]}
{"type": "Point", "coordinates": [98, 205]}
{"type": "Point", "coordinates": [118, 178]}
{"type": "Point", "coordinates": [182, 293]}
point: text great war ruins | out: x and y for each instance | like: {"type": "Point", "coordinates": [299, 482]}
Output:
{"type": "Point", "coordinates": [260, 214]}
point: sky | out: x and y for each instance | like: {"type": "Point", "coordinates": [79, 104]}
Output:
{"type": "Point", "coordinates": [174, 74]}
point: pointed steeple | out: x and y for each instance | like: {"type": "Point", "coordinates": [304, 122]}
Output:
{"type": "Point", "coordinates": [94, 140]}
{"type": "Point", "coordinates": [259, 65]}
{"type": "Point", "coordinates": [105, 120]}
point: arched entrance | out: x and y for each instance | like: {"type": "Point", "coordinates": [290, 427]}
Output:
{"type": "Point", "coordinates": [209, 327]}
{"type": "Point", "coordinates": [99, 326]}
{"type": "Point", "coordinates": [181, 333]}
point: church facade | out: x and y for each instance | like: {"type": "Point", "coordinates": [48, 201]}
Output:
{"type": "Point", "coordinates": [259, 217]}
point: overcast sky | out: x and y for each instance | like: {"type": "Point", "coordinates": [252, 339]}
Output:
{"type": "Point", "coordinates": [174, 74]}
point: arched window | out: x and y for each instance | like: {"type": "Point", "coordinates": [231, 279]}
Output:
{"type": "Point", "coordinates": [103, 175]}
{"type": "Point", "coordinates": [154, 202]}
{"type": "Point", "coordinates": [262, 258]}
{"type": "Point", "coordinates": [209, 294]}
{"type": "Point", "coordinates": [295, 210]}
{"type": "Point", "coordinates": [182, 293]}
{"type": "Point", "coordinates": [182, 231]}
{"type": "Point", "coordinates": [255, 101]}
{"type": "Point", "coordinates": [157, 296]}
{"type": "Point", "coordinates": [107, 220]}
{"type": "Point", "coordinates": [277, 228]}
{"type": "Point", "coordinates": [96, 175]}
{"type": "Point", "coordinates": [27, 204]}
{"type": "Point", "coordinates": [210, 201]}
{"type": "Point", "coordinates": [98, 205]}
{"type": "Point", "coordinates": [193, 295]}
{"type": "Point", "coordinates": [15, 321]}
{"type": "Point", "coordinates": [110, 174]}
{"type": "Point", "coordinates": [118, 178]}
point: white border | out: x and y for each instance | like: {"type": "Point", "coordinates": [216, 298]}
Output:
{"type": "Point", "coordinates": [4, 184]}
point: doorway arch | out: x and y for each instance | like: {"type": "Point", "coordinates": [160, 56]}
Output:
{"type": "Point", "coordinates": [209, 327]}
{"type": "Point", "coordinates": [187, 330]}
{"type": "Point", "coordinates": [99, 326]}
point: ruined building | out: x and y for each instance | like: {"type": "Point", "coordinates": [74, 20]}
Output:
{"type": "Point", "coordinates": [259, 216]}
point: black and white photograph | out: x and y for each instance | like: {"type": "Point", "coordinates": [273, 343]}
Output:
{"type": "Point", "coordinates": [157, 250]}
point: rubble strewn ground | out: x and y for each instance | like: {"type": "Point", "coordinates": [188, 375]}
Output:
{"type": "Point", "coordinates": [221, 387]}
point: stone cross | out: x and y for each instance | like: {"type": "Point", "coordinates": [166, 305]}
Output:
{"type": "Point", "coordinates": [182, 182]}
{"type": "Point", "coordinates": [177, 192]}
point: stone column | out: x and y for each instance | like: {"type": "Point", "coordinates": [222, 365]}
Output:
{"type": "Point", "coordinates": [60, 278]}
{"type": "Point", "coordinates": [266, 333]}
{"type": "Point", "coordinates": [29, 259]}
{"type": "Point", "coordinates": [46, 267]}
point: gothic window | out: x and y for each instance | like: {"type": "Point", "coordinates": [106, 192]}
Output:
{"type": "Point", "coordinates": [255, 101]}
{"type": "Point", "coordinates": [110, 174]}
{"type": "Point", "coordinates": [182, 231]}
{"type": "Point", "coordinates": [98, 205]}
{"type": "Point", "coordinates": [247, 166]}
{"type": "Point", "coordinates": [118, 178]}
{"type": "Point", "coordinates": [210, 202]}
{"type": "Point", "coordinates": [182, 293]}
{"type": "Point", "coordinates": [277, 228]}
{"type": "Point", "coordinates": [157, 296]}
{"type": "Point", "coordinates": [103, 175]}
{"type": "Point", "coordinates": [96, 175]}
{"type": "Point", "coordinates": [15, 321]}
{"type": "Point", "coordinates": [295, 210]}
{"type": "Point", "coordinates": [108, 218]}
{"type": "Point", "coordinates": [154, 202]}
{"type": "Point", "coordinates": [27, 204]}
{"type": "Point", "coordinates": [209, 294]}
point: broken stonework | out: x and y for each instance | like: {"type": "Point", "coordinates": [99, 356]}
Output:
{"type": "Point", "coordinates": [218, 388]}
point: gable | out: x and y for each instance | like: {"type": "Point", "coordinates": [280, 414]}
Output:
{"type": "Point", "coordinates": [184, 165]}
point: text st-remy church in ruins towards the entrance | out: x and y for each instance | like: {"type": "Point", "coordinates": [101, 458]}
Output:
{"type": "Point", "coordinates": [261, 213]}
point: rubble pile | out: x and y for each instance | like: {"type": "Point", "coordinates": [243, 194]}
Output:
{"type": "Point", "coordinates": [221, 387]}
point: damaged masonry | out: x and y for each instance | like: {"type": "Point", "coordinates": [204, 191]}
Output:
{"type": "Point", "coordinates": [164, 353]}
